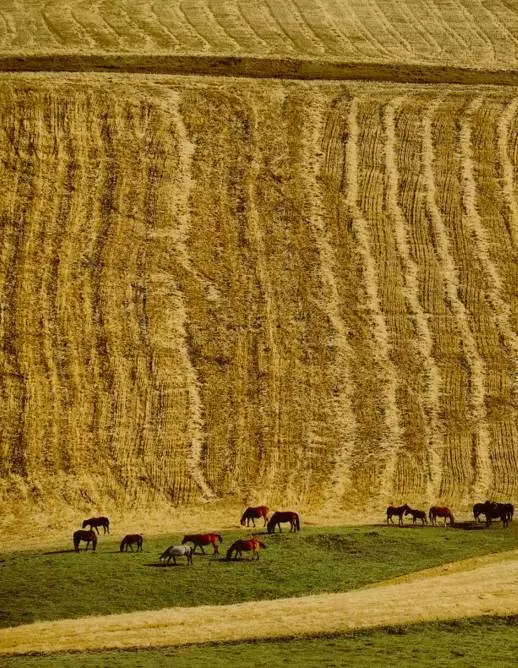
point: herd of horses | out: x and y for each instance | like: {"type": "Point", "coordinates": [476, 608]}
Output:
{"type": "Point", "coordinates": [489, 509]}
{"type": "Point", "coordinates": [191, 542]}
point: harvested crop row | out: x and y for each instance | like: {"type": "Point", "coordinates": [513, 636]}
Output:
{"type": "Point", "coordinates": [393, 31]}
{"type": "Point", "coordinates": [256, 291]}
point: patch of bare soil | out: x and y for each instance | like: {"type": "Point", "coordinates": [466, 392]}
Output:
{"type": "Point", "coordinates": [486, 589]}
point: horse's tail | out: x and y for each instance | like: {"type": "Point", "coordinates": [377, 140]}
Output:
{"type": "Point", "coordinates": [452, 519]}
{"type": "Point", "coordinates": [76, 542]}
{"type": "Point", "coordinates": [164, 554]}
{"type": "Point", "coordinates": [94, 541]}
{"type": "Point", "coordinates": [218, 536]}
{"type": "Point", "coordinates": [297, 521]}
{"type": "Point", "coordinates": [431, 514]}
{"type": "Point", "coordinates": [123, 543]}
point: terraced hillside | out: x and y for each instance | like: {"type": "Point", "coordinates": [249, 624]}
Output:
{"type": "Point", "coordinates": [293, 292]}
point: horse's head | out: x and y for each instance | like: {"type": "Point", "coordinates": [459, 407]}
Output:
{"type": "Point", "coordinates": [85, 523]}
{"type": "Point", "coordinates": [408, 510]}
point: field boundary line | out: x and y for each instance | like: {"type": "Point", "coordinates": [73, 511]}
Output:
{"type": "Point", "coordinates": [485, 590]}
{"type": "Point", "coordinates": [255, 67]}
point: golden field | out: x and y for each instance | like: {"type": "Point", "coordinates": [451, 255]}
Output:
{"type": "Point", "coordinates": [237, 289]}
{"type": "Point", "coordinates": [292, 292]}
{"type": "Point", "coordinates": [257, 251]}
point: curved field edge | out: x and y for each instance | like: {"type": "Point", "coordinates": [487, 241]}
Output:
{"type": "Point", "coordinates": [46, 586]}
{"type": "Point", "coordinates": [479, 640]}
{"type": "Point", "coordinates": [443, 33]}
{"type": "Point", "coordinates": [485, 590]}
{"type": "Point", "coordinates": [254, 67]}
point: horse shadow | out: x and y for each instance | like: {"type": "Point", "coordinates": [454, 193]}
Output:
{"type": "Point", "coordinates": [469, 526]}
{"type": "Point", "coordinates": [165, 566]}
{"type": "Point", "coordinates": [46, 554]}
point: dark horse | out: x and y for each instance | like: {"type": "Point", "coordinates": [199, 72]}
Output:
{"type": "Point", "coordinates": [478, 510]}
{"type": "Point", "coordinates": [254, 514]}
{"type": "Point", "coordinates": [201, 539]}
{"type": "Point", "coordinates": [283, 516]}
{"type": "Point", "coordinates": [239, 546]}
{"type": "Point", "coordinates": [95, 522]}
{"type": "Point", "coordinates": [437, 511]}
{"type": "Point", "coordinates": [495, 511]}
{"type": "Point", "coordinates": [88, 536]}
{"type": "Point", "coordinates": [398, 511]}
{"type": "Point", "coordinates": [129, 540]}
{"type": "Point", "coordinates": [417, 515]}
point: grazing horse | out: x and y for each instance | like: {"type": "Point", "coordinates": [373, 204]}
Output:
{"type": "Point", "coordinates": [497, 511]}
{"type": "Point", "coordinates": [399, 511]}
{"type": "Point", "coordinates": [437, 511]}
{"type": "Point", "coordinates": [201, 539]}
{"type": "Point", "coordinates": [95, 522]}
{"type": "Point", "coordinates": [417, 515]}
{"type": "Point", "coordinates": [283, 516]}
{"type": "Point", "coordinates": [254, 514]}
{"type": "Point", "coordinates": [88, 536]}
{"type": "Point", "coordinates": [130, 540]}
{"type": "Point", "coordinates": [177, 551]}
{"type": "Point", "coordinates": [239, 546]}
{"type": "Point", "coordinates": [478, 510]}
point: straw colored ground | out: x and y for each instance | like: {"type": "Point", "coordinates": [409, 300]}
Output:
{"type": "Point", "coordinates": [291, 293]}
{"type": "Point", "coordinates": [473, 588]}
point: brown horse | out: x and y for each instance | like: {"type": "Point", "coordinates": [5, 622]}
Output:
{"type": "Point", "coordinates": [283, 516]}
{"type": "Point", "coordinates": [201, 539]}
{"type": "Point", "coordinates": [129, 540]}
{"type": "Point", "coordinates": [239, 546]}
{"type": "Point", "coordinates": [398, 511]}
{"type": "Point", "coordinates": [438, 511]}
{"type": "Point", "coordinates": [254, 513]}
{"type": "Point", "coordinates": [95, 522]}
{"type": "Point", "coordinates": [88, 536]}
{"type": "Point", "coordinates": [417, 515]}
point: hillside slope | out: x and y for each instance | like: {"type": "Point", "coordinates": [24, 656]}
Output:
{"type": "Point", "coordinates": [464, 33]}
{"type": "Point", "coordinates": [291, 292]}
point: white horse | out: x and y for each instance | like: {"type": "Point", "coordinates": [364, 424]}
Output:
{"type": "Point", "coordinates": [177, 551]}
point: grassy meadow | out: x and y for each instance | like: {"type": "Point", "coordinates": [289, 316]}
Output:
{"type": "Point", "coordinates": [59, 583]}
{"type": "Point", "coordinates": [486, 641]}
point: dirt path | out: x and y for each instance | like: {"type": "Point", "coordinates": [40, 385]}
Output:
{"type": "Point", "coordinates": [487, 589]}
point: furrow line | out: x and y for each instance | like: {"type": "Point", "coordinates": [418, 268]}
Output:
{"type": "Point", "coordinates": [392, 440]}
{"type": "Point", "coordinates": [200, 20]}
{"type": "Point", "coordinates": [232, 21]}
{"type": "Point", "coordinates": [483, 472]}
{"type": "Point", "coordinates": [343, 416]}
{"type": "Point", "coordinates": [508, 176]}
{"type": "Point", "coordinates": [196, 424]}
{"type": "Point", "coordinates": [423, 344]}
